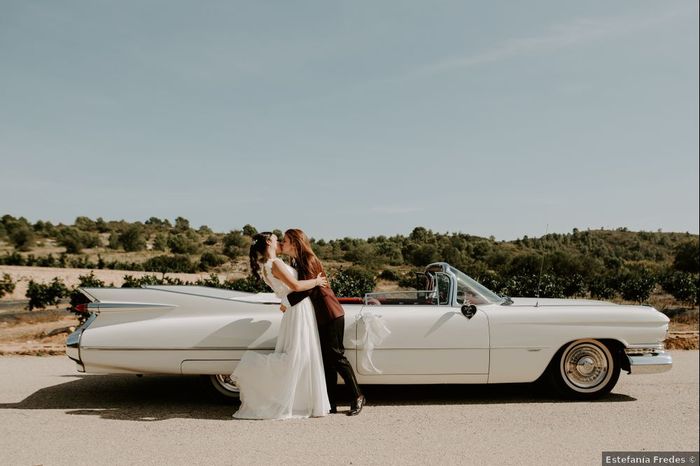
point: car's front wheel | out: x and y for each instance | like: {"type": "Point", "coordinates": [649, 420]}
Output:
{"type": "Point", "coordinates": [222, 386]}
{"type": "Point", "coordinates": [584, 370]}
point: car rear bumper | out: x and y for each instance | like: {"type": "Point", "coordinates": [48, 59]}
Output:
{"type": "Point", "coordinates": [73, 343]}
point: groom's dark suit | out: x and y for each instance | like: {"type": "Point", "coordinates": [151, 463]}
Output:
{"type": "Point", "coordinates": [330, 318]}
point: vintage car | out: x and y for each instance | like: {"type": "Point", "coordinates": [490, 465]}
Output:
{"type": "Point", "coordinates": [450, 330]}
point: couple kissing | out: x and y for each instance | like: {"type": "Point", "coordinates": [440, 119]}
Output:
{"type": "Point", "coordinates": [298, 379]}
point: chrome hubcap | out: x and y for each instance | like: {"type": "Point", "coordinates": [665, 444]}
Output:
{"type": "Point", "coordinates": [226, 382]}
{"type": "Point", "coordinates": [586, 366]}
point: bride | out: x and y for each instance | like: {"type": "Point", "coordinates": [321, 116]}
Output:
{"type": "Point", "coordinates": [289, 382]}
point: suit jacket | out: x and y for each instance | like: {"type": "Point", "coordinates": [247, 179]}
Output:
{"type": "Point", "coordinates": [326, 304]}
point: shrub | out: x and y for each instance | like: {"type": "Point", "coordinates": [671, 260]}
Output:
{"type": "Point", "coordinates": [209, 260]}
{"type": "Point", "coordinates": [22, 237]}
{"type": "Point", "coordinates": [211, 240]}
{"type": "Point", "coordinates": [249, 284]}
{"type": "Point", "coordinates": [13, 259]}
{"type": "Point", "coordinates": [82, 262]}
{"type": "Point", "coordinates": [363, 254]}
{"type": "Point", "coordinates": [160, 242]}
{"type": "Point", "coordinates": [132, 239]}
{"type": "Point", "coordinates": [546, 286]}
{"type": "Point", "coordinates": [412, 279]}
{"type": "Point", "coordinates": [687, 258]}
{"type": "Point", "coordinates": [47, 261]}
{"type": "Point", "coordinates": [420, 254]}
{"type": "Point", "coordinates": [352, 282]}
{"type": "Point", "coordinates": [178, 263]}
{"type": "Point", "coordinates": [41, 295]}
{"type": "Point", "coordinates": [182, 224]}
{"type": "Point", "coordinates": [150, 280]}
{"type": "Point", "coordinates": [211, 281]}
{"type": "Point", "coordinates": [182, 243]}
{"type": "Point", "coordinates": [389, 275]}
{"type": "Point", "coordinates": [682, 285]}
{"type": "Point", "coordinates": [249, 230]}
{"type": "Point", "coordinates": [235, 244]}
{"type": "Point", "coordinates": [76, 297]}
{"type": "Point", "coordinates": [7, 286]}
{"type": "Point", "coordinates": [637, 285]}
{"type": "Point", "coordinates": [75, 240]}
{"type": "Point", "coordinates": [602, 287]}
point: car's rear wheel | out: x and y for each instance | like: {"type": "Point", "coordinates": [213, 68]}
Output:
{"type": "Point", "coordinates": [584, 370]}
{"type": "Point", "coordinates": [223, 387]}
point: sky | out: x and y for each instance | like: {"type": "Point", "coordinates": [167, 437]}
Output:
{"type": "Point", "coordinates": [353, 118]}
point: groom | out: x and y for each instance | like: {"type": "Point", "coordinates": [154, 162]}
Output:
{"type": "Point", "coordinates": [330, 318]}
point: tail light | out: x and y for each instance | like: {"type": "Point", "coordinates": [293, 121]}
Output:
{"type": "Point", "coordinates": [82, 308]}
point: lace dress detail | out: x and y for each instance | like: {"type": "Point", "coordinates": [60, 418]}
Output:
{"type": "Point", "coordinates": [289, 382]}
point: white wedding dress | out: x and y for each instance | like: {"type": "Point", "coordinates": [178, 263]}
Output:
{"type": "Point", "coordinates": [288, 383]}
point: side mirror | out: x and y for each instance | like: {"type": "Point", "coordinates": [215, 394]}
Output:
{"type": "Point", "coordinates": [468, 310]}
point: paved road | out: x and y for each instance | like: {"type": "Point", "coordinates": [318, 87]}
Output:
{"type": "Point", "coordinates": [49, 414]}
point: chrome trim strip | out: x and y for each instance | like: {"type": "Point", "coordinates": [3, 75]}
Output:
{"type": "Point", "coordinates": [118, 348]}
{"type": "Point", "coordinates": [128, 306]}
{"type": "Point", "coordinates": [660, 362]}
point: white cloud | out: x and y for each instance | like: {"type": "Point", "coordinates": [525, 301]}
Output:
{"type": "Point", "coordinates": [573, 33]}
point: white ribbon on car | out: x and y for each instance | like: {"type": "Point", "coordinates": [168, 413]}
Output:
{"type": "Point", "coordinates": [374, 334]}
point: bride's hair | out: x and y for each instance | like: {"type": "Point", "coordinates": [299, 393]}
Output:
{"type": "Point", "coordinates": [258, 252]}
{"type": "Point", "coordinates": [307, 264]}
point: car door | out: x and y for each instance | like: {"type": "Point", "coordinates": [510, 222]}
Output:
{"type": "Point", "coordinates": [425, 340]}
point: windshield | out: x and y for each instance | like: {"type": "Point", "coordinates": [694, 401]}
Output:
{"type": "Point", "coordinates": [469, 291]}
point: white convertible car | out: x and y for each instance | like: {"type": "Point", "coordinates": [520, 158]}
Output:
{"type": "Point", "coordinates": [453, 331]}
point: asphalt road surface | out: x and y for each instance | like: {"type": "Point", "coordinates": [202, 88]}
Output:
{"type": "Point", "coordinates": [52, 415]}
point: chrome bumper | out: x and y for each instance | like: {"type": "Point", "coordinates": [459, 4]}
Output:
{"type": "Point", "coordinates": [655, 363]}
{"type": "Point", "coordinates": [73, 343]}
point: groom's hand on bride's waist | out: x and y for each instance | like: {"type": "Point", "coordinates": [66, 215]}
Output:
{"type": "Point", "coordinates": [283, 307]}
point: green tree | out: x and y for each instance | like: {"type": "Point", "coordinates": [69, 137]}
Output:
{"type": "Point", "coordinates": [85, 224]}
{"type": "Point", "coordinates": [184, 243]}
{"type": "Point", "coordinates": [363, 254]}
{"type": "Point", "coordinates": [682, 285]}
{"type": "Point", "coordinates": [637, 285]}
{"type": "Point", "coordinates": [72, 239]}
{"type": "Point", "coordinates": [352, 282]}
{"type": "Point", "coordinates": [7, 286]}
{"type": "Point", "coordinates": [160, 242]}
{"type": "Point", "coordinates": [178, 263]}
{"type": "Point", "coordinates": [687, 257]}
{"type": "Point", "coordinates": [41, 295]}
{"type": "Point", "coordinates": [249, 230]}
{"type": "Point", "coordinates": [22, 237]}
{"type": "Point", "coordinates": [132, 239]}
{"type": "Point", "coordinates": [182, 224]}
{"type": "Point", "coordinates": [209, 260]}
{"type": "Point", "coordinates": [235, 244]}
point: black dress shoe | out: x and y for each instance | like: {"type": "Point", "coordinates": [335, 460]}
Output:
{"type": "Point", "coordinates": [334, 410]}
{"type": "Point", "coordinates": [356, 407]}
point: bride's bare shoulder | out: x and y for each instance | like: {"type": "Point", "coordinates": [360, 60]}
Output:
{"type": "Point", "coordinates": [278, 264]}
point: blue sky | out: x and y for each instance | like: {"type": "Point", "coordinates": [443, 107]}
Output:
{"type": "Point", "coordinates": [353, 118]}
